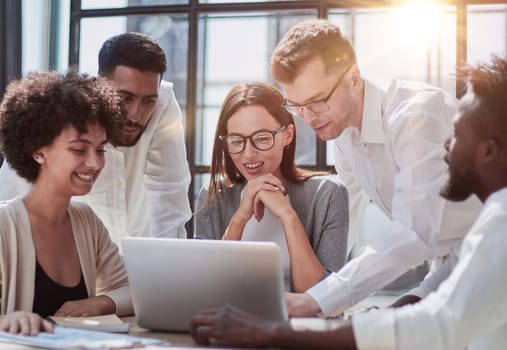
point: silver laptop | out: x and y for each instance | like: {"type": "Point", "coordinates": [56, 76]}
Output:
{"type": "Point", "coordinates": [172, 279]}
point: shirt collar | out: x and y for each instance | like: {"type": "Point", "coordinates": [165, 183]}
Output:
{"type": "Point", "coordinates": [372, 128]}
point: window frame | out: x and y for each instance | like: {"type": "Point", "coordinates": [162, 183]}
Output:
{"type": "Point", "coordinates": [194, 9]}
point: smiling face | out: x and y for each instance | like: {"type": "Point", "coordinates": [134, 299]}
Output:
{"type": "Point", "coordinates": [314, 83]}
{"type": "Point", "coordinates": [73, 161]}
{"type": "Point", "coordinates": [139, 91]}
{"type": "Point", "coordinates": [252, 162]}
{"type": "Point", "coordinates": [461, 149]}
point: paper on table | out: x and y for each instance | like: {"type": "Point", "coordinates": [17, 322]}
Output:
{"type": "Point", "coordinates": [72, 338]}
{"type": "Point", "coordinates": [103, 323]}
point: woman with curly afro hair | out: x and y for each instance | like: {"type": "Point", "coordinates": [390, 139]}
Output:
{"type": "Point", "coordinates": [53, 129]}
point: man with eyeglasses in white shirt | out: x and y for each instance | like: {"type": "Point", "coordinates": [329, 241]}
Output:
{"type": "Point", "coordinates": [388, 149]}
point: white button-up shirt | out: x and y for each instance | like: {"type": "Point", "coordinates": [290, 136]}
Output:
{"type": "Point", "coordinates": [397, 161]}
{"type": "Point", "coordinates": [143, 189]}
{"type": "Point", "coordinates": [469, 309]}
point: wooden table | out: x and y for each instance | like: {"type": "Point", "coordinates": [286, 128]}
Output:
{"type": "Point", "coordinates": [176, 339]}
{"type": "Point", "coordinates": [185, 341]}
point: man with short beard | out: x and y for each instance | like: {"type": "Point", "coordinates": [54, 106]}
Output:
{"type": "Point", "coordinates": [469, 309]}
{"type": "Point", "coordinates": [143, 189]}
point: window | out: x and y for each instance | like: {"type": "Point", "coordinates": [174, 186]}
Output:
{"type": "Point", "coordinates": [212, 44]}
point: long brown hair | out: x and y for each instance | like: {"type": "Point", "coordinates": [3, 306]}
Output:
{"type": "Point", "coordinates": [248, 94]}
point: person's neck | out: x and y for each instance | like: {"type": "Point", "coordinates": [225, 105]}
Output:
{"type": "Point", "coordinates": [360, 104]}
{"type": "Point", "coordinates": [494, 184]}
{"type": "Point", "coordinates": [49, 208]}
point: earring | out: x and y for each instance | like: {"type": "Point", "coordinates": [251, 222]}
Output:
{"type": "Point", "coordinates": [39, 158]}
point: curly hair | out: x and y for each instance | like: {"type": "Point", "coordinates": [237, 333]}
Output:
{"type": "Point", "coordinates": [36, 109]}
{"type": "Point", "coordinates": [305, 41]}
{"type": "Point", "coordinates": [488, 82]}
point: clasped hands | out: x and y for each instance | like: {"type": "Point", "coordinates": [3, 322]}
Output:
{"type": "Point", "coordinates": [264, 191]}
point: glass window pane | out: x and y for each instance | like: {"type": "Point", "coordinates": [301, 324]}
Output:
{"type": "Point", "coordinates": [242, 57]}
{"type": "Point", "coordinates": [45, 35]}
{"type": "Point", "coordinates": [414, 42]}
{"type": "Point", "coordinates": [103, 4]}
{"type": "Point", "coordinates": [423, 38]}
{"type": "Point", "coordinates": [486, 32]}
{"type": "Point", "coordinates": [170, 31]}
{"type": "Point", "coordinates": [35, 23]}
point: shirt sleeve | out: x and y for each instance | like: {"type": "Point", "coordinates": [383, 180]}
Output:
{"type": "Point", "coordinates": [415, 141]}
{"type": "Point", "coordinates": [167, 174]}
{"type": "Point", "coordinates": [469, 305]}
{"type": "Point", "coordinates": [436, 276]}
{"type": "Point", "coordinates": [375, 330]}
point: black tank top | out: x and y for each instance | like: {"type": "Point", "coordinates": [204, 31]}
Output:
{"type": "Point", "coordinates": [49, 295]}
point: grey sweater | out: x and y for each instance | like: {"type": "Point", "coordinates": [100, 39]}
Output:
{"type": "Point", "coordinates": [321, 204]}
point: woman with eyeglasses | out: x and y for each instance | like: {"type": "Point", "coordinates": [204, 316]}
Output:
{"type": "Point", "coordinates": [256, 192]}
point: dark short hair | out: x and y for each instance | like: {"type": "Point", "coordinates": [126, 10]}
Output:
{"type": "Point", "coordinates": [134, 50]}
{"type": "Point", "coordinates": [36, 109]}
{"type": "Point", "coordinates": [488, 82]}
{"type": "Point", "coordinates": [305, 41]}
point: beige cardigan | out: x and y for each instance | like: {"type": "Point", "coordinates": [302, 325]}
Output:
{"type": "Point", "coordinates": [102, 265]}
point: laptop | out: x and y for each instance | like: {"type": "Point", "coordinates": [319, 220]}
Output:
{"type": "Point", "coordinates": [172, 279]}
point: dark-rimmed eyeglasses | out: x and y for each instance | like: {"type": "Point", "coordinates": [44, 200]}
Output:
{"type": "Point", "coordinates": [319, 106]}
{"type": "Point", "coordinates": [263, 140]}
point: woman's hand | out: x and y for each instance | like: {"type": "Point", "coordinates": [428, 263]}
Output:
{"type": "Point", "coordinates": [99, 305]}
{"type": "Point", "coordinates": [24, 323]}
{"type": "Point", "coordinates": [249, 206]}
{"type": "Point", "coordinates": [275, 201]}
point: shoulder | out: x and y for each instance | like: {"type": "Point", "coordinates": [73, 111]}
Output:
{"type": "Point", "coordinates": [167, 110]}
{"type": "Point", "coordinates": [11, 207]}
{"type": "Point", "coordinates": [166, 92]}
{"type": "Point", "coordinates": [83, 211]}
{"type": "Point", "coordinates": [406, 100]}
{"type": "Point", "coordinates": [328, 185]}
{"type": "Point", "coordinates": [9, 210]}
{"type": "Point", "coordinates": [14, 221]}
{"type": "Point", "coordinates": [226, 195]}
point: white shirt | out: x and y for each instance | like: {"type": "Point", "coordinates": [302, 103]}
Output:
{"type": "Point", "coordinates": [469, 309]}
{"type": "Point", "coordinates": [397, 161]}
{"type": "Point", "coordinates": [143, 189]}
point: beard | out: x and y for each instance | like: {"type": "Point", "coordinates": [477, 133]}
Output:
{"type": "Point", "coordinates": [458, 186]}
{"type": "Point", "coordinates": [127, 133]}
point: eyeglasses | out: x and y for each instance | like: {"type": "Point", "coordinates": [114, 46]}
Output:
{"type": "Point", "coordinates": [263, 140]}
{"type": "Point", "coordinates": [316, 106]}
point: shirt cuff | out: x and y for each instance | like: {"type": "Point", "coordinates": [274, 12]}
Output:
{"type": "Point", "coordinates": [331, 296]}
{"type": "Point", "coordinates": [375, 330]}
